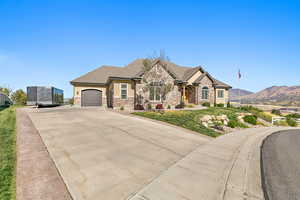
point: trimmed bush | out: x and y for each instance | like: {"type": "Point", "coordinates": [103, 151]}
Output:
{"type": "Point", "coordinates": [159, 107]}
{"type": "Point", "coordinates": [221, 105]}
{"type": "Point", "coordinates": [232, 123]}
{"type": "Point", "coordinates": [139, 107]}
{"type": "Point", "coordinates": [281, 123]}
{"type": "Point", "coordinates": [122, 108]}
{"type": "Point", "coordinates": [149, 106]}
{"type": "Point", "coordinates": [179, 106]}
{"type": "Point", "coordinates": [169, 107]}
{"type": "Point", "coordinates": [276, 112]}
{"type": "Point", "coordinates": [228, 104]}
{"type": "Point", "coordinates": [294, 115]}
{"type": "Point", "coordinates": [291, 122]}
{"type": "Point", "coordinates": [206, 104]}
{"type": "Point", "coordinates": [251, 119]}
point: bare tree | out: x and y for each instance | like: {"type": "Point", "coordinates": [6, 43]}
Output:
{"type": "Point", "coordinates": [154, 77]}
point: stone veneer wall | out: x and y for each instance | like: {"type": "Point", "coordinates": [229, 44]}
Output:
{"type": "Point", "coordinates": [142, 94]}
{"type": "Point", "coordinates": [206, 82]}
{"type": "Point", "coordinates": [127, 103]}
{"type": "Point", "coordinates": [115, 92]}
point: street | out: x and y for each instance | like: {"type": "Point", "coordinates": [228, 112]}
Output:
{"type": "Point", "coordinates": [281, 165]}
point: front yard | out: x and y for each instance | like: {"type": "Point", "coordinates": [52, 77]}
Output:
{"type": "Point", "coordinates": [190, 119]}
{"type": "Point", "coordinates": [7, 153]}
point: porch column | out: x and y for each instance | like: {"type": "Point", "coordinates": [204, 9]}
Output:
{"type": "Point", "coordinates": [197, 94]}
{"type": "Point", "coordinates": [183, 93]}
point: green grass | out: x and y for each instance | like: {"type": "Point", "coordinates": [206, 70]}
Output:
{"type": "Point", "coordinates": [7, 153]}
{"type": "Point", "coordinates": [189, 119]}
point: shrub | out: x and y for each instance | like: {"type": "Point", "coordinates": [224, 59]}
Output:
{"type": "Point", "coordinates": [257, 112]}
{"type": "Point", "coordinates": [179, 106]}
{"type": "Point", "coordinates": [206, 104]}
{"type": "Point", "coordinates": [221, 105]}
{"type": "Point", "coordinates": [251, 119]}
{"type": "Point", "coordinates": [251, 109]}
{"type": "Point", "coordinates": [232, 123]}
{"type": "Point", "coordinates": [228, 104]}
{"type": "Point", "coordinates": [169, 107]}
{"type": "Point", "coordinates": [159, 106]}
{"type": "Point", "coordinates": [71, 101]}
{"type": "Point", "coordinates": [276, 112]}
{"type": "Point", "coordinates": [122, 108]}
{"type": "Point", "coordinates": [294, 115]}
{"type": "Point", "coordinates": [139, 107]}
{"type": "Point", "coordinates": [291, 122]}
{"type": "Point", "coordinates": [149, 106]}
{"type": "Point", "coordinates": [281, 123]}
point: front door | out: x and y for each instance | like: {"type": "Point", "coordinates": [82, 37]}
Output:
{"type": "Point", "coordinates": [190, 94]}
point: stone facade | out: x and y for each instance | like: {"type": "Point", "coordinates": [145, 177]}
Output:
{"type": "Point", "coordinates": [156, 74]}
{"type": "Point", "coordinates": [206, 82]}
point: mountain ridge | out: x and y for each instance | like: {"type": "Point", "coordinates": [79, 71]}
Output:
{"type": "Point", "coordinates": [284, 95]}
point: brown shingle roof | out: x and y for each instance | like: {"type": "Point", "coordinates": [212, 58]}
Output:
{"type": "Point", "coordinates": [102, 74]}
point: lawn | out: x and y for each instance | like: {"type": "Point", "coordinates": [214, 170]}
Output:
{"type": "Point", "coordinates": [189, 119]}
{"type": "Point", "coordinates": [7, 153]}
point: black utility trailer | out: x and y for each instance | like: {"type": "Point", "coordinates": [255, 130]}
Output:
{"type": "Point", "coordinates": [4, 100]}
{"type": "Point", "coordinates": [44, 96]}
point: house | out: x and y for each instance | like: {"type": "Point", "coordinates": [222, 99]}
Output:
{"type": "Point", "coordinates": [133, 85]}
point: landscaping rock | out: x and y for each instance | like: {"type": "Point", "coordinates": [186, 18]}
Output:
{"type": "Point", "coordinates": [206, 118]}
{"type": "Point", "coordinates": [205, 124]}
{"type": "Point", "coordinates": [222, 117]}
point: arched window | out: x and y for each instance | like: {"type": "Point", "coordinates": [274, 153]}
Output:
{"type": "Point", "coordinates": [205, 93]}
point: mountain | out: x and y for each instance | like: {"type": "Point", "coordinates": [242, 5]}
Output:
{"type": "Point", "coordinates": [236, 93]}
{"type": "Point", "coordinates": [279, 95]}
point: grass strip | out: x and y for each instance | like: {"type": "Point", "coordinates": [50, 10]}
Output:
{"type": "Point", "coordinates": [8, 153]}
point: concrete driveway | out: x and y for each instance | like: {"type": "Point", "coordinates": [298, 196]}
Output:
{"type": "Point", "coordinates": [106, 155]}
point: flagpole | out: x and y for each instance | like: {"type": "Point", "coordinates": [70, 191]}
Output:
{"type": "Point", "coordinates": [239, 92]}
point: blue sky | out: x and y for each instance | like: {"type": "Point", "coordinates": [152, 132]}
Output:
{"type": "Point", "coordinates": [53, 42]}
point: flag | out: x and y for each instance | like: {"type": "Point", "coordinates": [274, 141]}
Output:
{"type": "Point", "coordinates": [239, 74]}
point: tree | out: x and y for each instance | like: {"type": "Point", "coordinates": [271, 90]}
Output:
{"type": "Point", "coordinates": [19, 97]}
{"type": "Point", "coordinates": [6, 90]}
{"type": "Point", "coordinates": [155, 77]}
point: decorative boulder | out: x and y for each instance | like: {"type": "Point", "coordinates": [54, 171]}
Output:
{"type": "Point", "coordinates": [206, 118]}
{"type": "Point", "coordinates": [205, 124]}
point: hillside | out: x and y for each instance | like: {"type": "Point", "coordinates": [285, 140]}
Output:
{"type": "Point", "coordinates": [281, 95]}
{"type": "Point", "coordinates": [236, 93]}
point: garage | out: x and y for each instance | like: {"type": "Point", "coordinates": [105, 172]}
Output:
{"type": "Point", "coordinates": [91, 97]}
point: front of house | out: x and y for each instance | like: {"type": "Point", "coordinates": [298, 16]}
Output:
{"type": "Point", "coordinates": [162, 83]}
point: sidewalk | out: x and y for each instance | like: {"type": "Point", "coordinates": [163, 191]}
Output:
{"type": "Point", "coordinates": [225, 168]}
{"type": "Point", "coordinates": [37, 176]}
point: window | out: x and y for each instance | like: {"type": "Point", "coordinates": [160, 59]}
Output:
{"type": "Point", "coordinates": [205, 93]}
{"type": "Point", "coordinates": [220, 93]}
{"type": "Point", "coordinates": [155, 92]}
{"type": "Point", "coordinates": [124, 91]}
